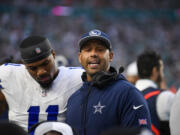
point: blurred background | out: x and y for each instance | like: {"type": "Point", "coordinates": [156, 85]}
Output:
{"type": "Point", "coordinates": [133, 26]}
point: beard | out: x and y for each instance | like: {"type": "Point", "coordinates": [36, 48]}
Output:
{"type": "Point", "coordinates": [159, 79]}
{"type": "Point", "coordinates": [46, 85]}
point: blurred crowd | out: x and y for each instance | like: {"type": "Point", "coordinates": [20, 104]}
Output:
{"type": "Point", "coordinates": [130, 30]}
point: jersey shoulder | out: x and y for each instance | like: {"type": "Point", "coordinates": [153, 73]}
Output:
{"type": "Point", "coordinates": [72, 69]}
{"type": "Point", "coordinates": [72, 72]}
{"type": "Point", "coordinates": [70, 76]}
{"type": "Point", "coordinates": [11, 69]}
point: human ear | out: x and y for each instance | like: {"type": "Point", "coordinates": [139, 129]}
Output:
{"type": "Point", "coordinates": [111, 56]}
{"type": "Point", "coordinates": [79, 57]}
{"type": "Point", "coordinates": [53, 54]}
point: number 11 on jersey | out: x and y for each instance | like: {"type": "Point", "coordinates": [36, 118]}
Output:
{"type": "Point", "coordinates": [52, 112]}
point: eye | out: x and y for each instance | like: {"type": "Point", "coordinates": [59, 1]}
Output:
{"type": "Point", "coordinates": [100, 49]}
{"type": "Point", "coordinates": [87, 49]}
{"type": "Point", "coordinates": [45, 63]}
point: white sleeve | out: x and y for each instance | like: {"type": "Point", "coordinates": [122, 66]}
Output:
{"type": "Point", "coordinates": [5, 73]}
{"type": "Point", "coordinates": [175, 115]}
{"type": "Point", "coordinates": [163, 105]}
{"type": "Point", "coordinates": [8, 76]}
{"type": "Point", "coordinates": [4, 70]}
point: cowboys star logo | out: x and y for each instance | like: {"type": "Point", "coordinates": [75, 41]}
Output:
{"type": "Point", "coordinates": [98, 108]}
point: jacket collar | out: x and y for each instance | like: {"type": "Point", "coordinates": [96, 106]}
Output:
{"type": "Point", "coordinates": [145, 83]}
{"type": "Point", "coordinates": [84, 76]}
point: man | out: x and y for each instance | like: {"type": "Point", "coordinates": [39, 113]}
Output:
{"type": "Point", "coordinates": [150, 71]}
{"type": "Point", "coordinates": [175, 115]}
{"type": "Point", "coordinates": [37, 90]}
{"type": "Point", "coordinates": [106, 98]}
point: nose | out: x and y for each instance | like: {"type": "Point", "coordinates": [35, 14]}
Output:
{"type": "Point", "coordinates": [93, 53]}
{"type": "Point", "coordinates": [41, 71]}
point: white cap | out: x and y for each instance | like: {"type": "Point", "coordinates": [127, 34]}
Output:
{"type": "Point", "coordinates": [60, 127]}
{"type": "Point", "coordinates": [132, 69]}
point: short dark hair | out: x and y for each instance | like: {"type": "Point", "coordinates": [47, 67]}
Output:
{"type": "Point", "coordinates": [146, 62]}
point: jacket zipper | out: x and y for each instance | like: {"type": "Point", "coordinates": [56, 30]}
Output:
{"type": "Point", "coordinates": [85, 103]}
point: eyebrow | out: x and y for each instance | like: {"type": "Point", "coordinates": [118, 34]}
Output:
{"type": "Point", "coordinates": [40, 64]}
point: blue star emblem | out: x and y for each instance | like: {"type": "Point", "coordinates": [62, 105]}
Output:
{"type": "Point", "coordinates": [98, 108]}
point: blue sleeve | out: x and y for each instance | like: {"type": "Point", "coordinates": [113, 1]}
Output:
{"type": "Point", "coordinates": [135, 111]}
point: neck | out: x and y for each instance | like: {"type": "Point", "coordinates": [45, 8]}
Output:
{"type": "Point", "coordinates": [56, 73]}
{"type": "Point", "coordinates": [154, 79]}
{"type": "Point", "coordinates": [89, 77]}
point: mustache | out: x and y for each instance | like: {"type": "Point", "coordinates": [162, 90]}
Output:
{"type": "Point", "coordinates": [92, 60]}
{"type": "Point", "coordinates": [43, 76]}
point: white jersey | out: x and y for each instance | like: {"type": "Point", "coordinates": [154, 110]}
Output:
{"type": "Point", "coordinates": [175, 115]}
{"type": "Point", "coordinates": [28, 102]}
{"type": "Point", "coordinates": [164, 100]}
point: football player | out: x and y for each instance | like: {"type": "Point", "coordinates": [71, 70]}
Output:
{"type": "Point", "coordinates": [36, 90]}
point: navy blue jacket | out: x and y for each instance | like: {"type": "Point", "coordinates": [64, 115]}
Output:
{"type": "Point", "coordinates": [118, 104]}
{"type": "Point", "coordinates": [158, 127]}
{"type": "Point", "coordinates": [151, 100]}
